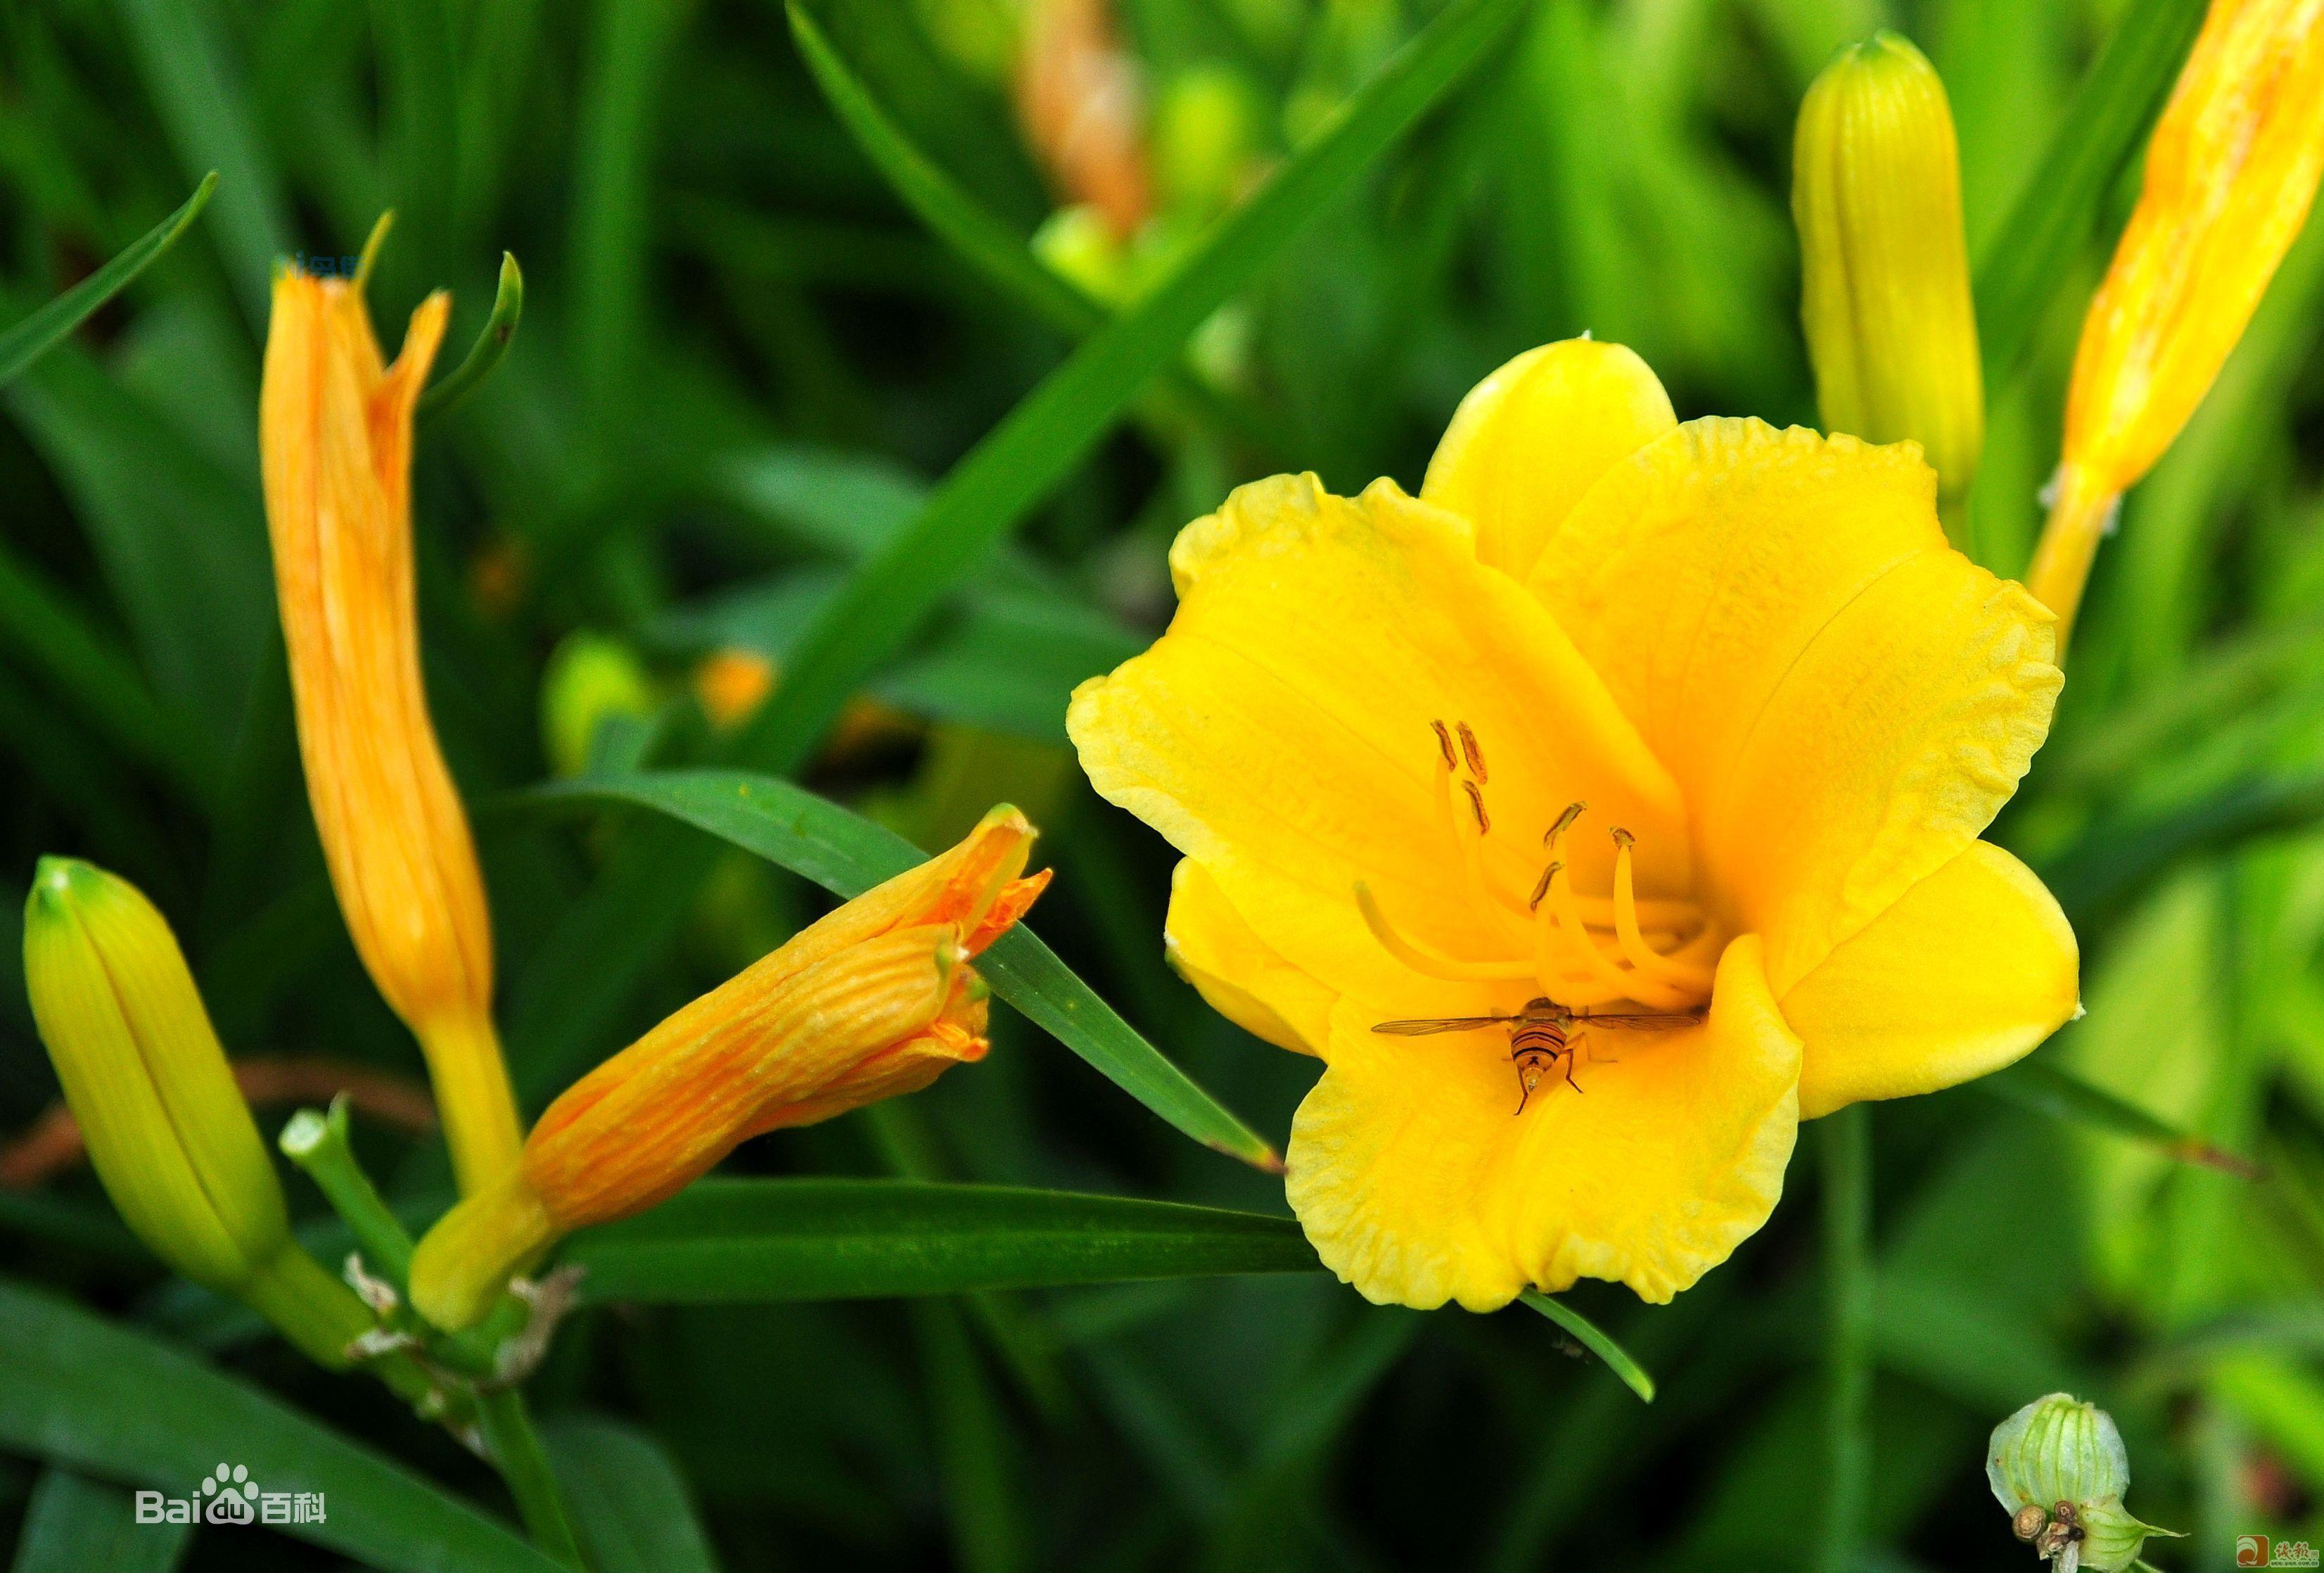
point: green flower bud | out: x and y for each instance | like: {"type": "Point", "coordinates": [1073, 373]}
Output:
{"type": "Point", "coordinates": [1080, 246]}
{"type": "Point", "coordinates": [168, 1132]}
{"type": "Point", "coordinates": [1876, 193]}
{"type": "Point", "coordinates": [2059, 1468]}
{"type": "Point", "coordinates": [589, 678]}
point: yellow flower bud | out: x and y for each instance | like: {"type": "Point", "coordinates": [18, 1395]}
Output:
{"type": "Point", "coordinates": [1876, 192]}
{"type": "Point", "coordinates": [335, 435]}
{"type": "Point", "coordinates": [168, 1132]}
{"type": "Point", "coordinates": [874, 1000]}
{"type": "Point", "coordinates": [2230, 175]}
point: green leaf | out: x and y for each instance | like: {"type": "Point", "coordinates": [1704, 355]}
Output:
{"type": "Point", "coordinates": [492, 344]}
{"type": "Point", "coordinates": [2063, 1097]}
{"type": "Point", "coordinates": [23, 344]}
{"type": "Point", "coordinates": [1046, 436]}
{"type": "Point", "coordinates": [1594, 1339]}
{"type": "Point", "coordinates": [203, 107]}
{"type": "Point", "coordinates": [78, 1525]}
{"type": "Point", "coordinates": [2109, 866]}
{"type": "Point", "coordinates": [981, 239]}
{"type": "Point", "coordinates": [630, 1507]}
{"type": "Point", "coordinates": [2035, 247]}
{"type": "Point", "coordinates": [764, 1240]}
{"type": "Point", "coordinates": [847, 855]}
{"type": "Point", "coordinates": [101, 1398]}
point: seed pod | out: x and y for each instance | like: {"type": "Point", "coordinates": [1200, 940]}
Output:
{"type": "Point", "coordinates": [2058, 1466]}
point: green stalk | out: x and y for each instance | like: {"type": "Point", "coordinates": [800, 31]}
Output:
{"type": "Point", "coordinates": [516, 1453]}
{"type": "Point", "coordinates": [1846, 1139]}
{"type": "Point", "coordinates": [319, 1144]}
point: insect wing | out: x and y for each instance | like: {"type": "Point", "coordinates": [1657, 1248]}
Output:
{"type": "Point", "coordinates": [1645, 1021]}
{"type": "Point", "coordinates": [1426, 1024]}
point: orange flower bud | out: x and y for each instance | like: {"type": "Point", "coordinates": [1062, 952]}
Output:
{"type": "Point", "coordinates": [2231, 174]}
{"type": "Point", "coordinates": [1083, 107]}
{"type": "Point", "coordinates": [874, 1000]}
{"type": "Point", "coordinates": [335, 434]}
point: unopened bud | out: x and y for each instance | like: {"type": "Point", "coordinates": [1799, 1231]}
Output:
{"type": "Point", "coordinates": [1876, 192]}
{"type": "Point", "coordinates": [590, 678]}
{"type": "Point", "coordinates": [168, 1132]}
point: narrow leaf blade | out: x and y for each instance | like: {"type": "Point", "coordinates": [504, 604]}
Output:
{"type": "Point", "coordinates": [22, 344]}
{"type": "Point", "coordinates": [767, 1240]}
{"type": "Point", "coordinates": [1591, 1337]}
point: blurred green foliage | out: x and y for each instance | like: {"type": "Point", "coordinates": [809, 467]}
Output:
{"type": "Point", "coordinates": [745, 364]}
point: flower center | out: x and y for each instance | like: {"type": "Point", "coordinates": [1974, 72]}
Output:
{"type": "Point", "coordinates": [1580, 951]}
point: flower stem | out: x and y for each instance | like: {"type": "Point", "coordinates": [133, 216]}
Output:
{"type": "Point", "coordinates": [317, 1143]}
{"type": "Point", "coordinates": [1846, 1139]}
{"type": "Point", "coordinates": [516, 1453]}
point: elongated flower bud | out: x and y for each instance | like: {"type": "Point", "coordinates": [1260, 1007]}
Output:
{"type": "Point", "coordinates": [168, 1131]}
{"type": "Point", "coordinates": [335, 430]}
{"type": "Point", "coordinates": [874, 1000]}
{"type": "Point", "coordinates": [1876, 192]}
{"type": "Point", "coordinates": [2230, 175]}
{"type": "Point", "coordinates": [2059, 1469]}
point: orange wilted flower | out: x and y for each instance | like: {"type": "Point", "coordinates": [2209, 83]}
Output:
{"type": "Point", "coordinates": [1080, 100]}
{"type": "Point", "coordinates": [335, 430]}
{"type": "Point", "coordinates": [874, 1000]}
{"type": "Point", "coordinates": [2230, 175]}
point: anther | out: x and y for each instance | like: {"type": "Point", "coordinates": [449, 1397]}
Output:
{"type": "Point", "coordinates": [1623, 839]}
{"type": "Point", "coordinates": [1564, 822]}
{"type": "Point", "coordinates": [1477, 807]}
{"type": "Point", "coordinates": [1541, 887]}
{"type": "Point", "coordinates": [1444, 745]}
{"type": "Point", "coordinates": [1476, 756]}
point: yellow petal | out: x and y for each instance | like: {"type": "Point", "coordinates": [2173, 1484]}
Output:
{"type": "Point", "coordinates": [1242, 977]}
{"type": "Point", "coordinates": [1417, 1184]}
{"type": "Point", "coordinates": [1845, 699]}
{"type": "Point", "coordinates": [1971, 969]}
{"type": "Point", "coordinates": [1280, 733]}
{"type": "Point", "coordinates": [1532, 437]}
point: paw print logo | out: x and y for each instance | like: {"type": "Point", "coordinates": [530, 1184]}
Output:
{"type": "Point", "coordinates": [227, 1495]}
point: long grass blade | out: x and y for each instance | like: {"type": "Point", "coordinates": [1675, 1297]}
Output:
{"type": "Point", "coordinates": [2063, 1097]}
{"type": "Point", "coordinates": [22, 344]}
{"type": "Point", "coordinates": [1595, 1339]}
{"type": "Point", "coordinates": [2034, 250]}
{"type": "Point", "coordinates": [766, 1240]}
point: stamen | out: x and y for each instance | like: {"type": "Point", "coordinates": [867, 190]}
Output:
{"type": "Point", "coordinates": [1564, 823]}
{"type": "Point", "coordinates": [1477, 807]}
{"type": "Point", "coordinates": [1427, 958]}
{"type": "Point", "coordinates": [1475, 755]}
{"type": "Point", "coordinates": [1635, 949]}
{"type": "Point", "coordinates": [1647, 991]}
{"type": "Point", "coordinates": [1444, 745]}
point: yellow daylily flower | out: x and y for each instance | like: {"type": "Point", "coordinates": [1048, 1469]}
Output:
{"type": "Point", "coordinates": [335, 437]}
{"type": "Point", "coordinates": [2231, 173]}
{"type": "Point", "coordinates": [872, 1001]}
{"type": "Point", "coordinates": [1620, 718]}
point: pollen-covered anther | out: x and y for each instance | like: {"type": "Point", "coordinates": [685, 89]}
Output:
{"type": "Point", "coordinates": [1474, 754]}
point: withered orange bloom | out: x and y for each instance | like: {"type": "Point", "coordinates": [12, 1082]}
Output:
{"type": "Point", "coordinates": [874, 1000]}
{"type": "Point", "coordinates": [335, 435]}
{"type": "Point", "coordinates": [2230, 175]}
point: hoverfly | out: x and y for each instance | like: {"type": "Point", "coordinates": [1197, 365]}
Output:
{"type": "Point", "coordinates": [1537, 1036]}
